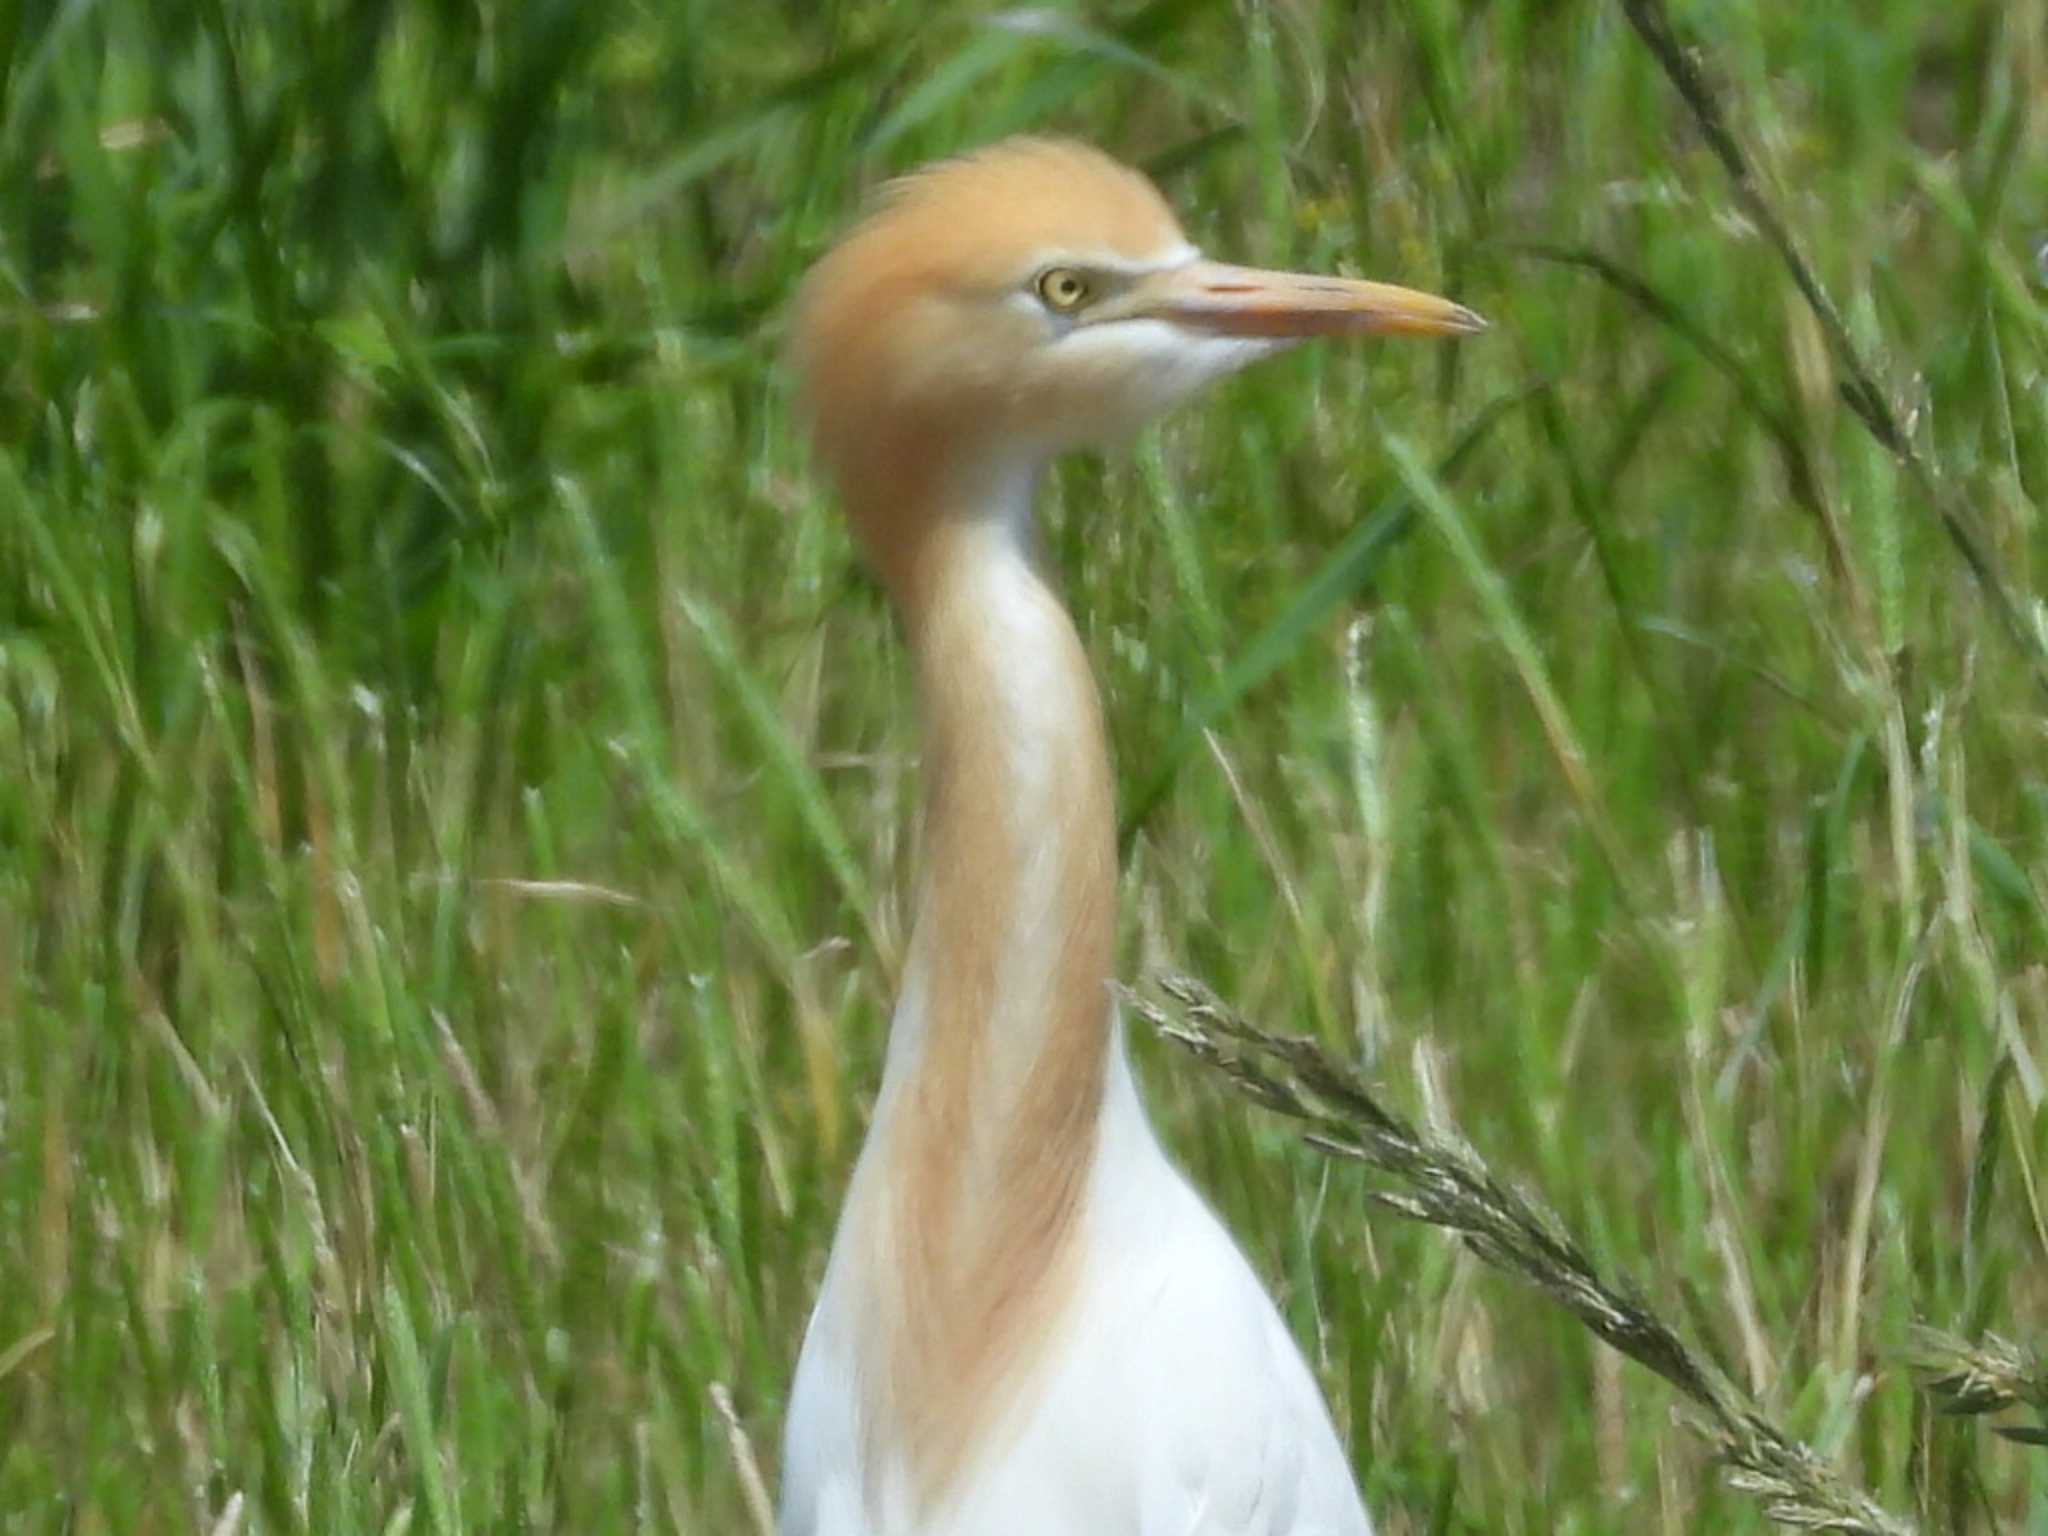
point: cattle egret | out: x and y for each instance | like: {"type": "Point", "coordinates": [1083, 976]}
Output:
{"type": "Point", "coordinates": [1030, 1324]}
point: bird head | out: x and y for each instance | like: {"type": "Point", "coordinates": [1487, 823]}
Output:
{"type": "Point", "coordinates": [997, 309]}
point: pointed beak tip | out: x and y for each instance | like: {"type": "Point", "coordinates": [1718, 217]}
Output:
{"type": "Point", "coordinates": [1467, 322]}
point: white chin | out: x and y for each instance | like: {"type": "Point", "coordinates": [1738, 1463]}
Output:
{"type": "Point", "coordinates": [1122, 375]}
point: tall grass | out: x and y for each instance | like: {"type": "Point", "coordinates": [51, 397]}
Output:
{"type": "Point", "coordinates": [457, 787]}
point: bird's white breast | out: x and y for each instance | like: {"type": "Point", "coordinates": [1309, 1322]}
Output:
{"type": "Point", "coordinates": [1173, 1402]}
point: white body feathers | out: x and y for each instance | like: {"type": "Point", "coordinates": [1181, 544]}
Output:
{"type": "Point", "coordinates": [1173, 1401]}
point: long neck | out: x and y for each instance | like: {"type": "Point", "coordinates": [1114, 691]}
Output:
{"type": "Point", "coordinates": [1010, 954]}
{"type": "Point", "coordinates": [999, 1056]}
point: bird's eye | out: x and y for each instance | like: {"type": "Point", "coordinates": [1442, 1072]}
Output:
{"type": "Point", "coordinates": [1063, 289]}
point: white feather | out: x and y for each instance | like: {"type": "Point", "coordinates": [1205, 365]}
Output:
{"type": "Point", "coordinates": [1175, 1402]}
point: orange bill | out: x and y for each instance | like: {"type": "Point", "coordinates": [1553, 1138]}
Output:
{"type": "Point", "coordinates": [1248, 301]}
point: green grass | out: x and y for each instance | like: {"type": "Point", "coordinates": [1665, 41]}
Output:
{"type": "Point", "coordinates": [457, 786]}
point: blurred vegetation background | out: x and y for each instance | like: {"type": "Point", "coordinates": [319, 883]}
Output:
{"type": "Point", "coordinates": [457, 786]}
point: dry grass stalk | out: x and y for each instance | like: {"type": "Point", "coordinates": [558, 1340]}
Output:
{"type": "Point", "coordinates": [1442, 1181]}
